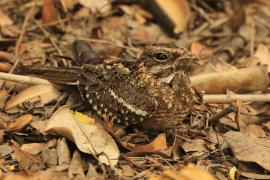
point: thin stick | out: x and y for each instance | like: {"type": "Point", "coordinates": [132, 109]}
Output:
{"type": "Point", "coordinates": [223, 113]}
{"type": "Point", "coordinates": [220, 98]}
{"type": "Point", "coordinates": [23, 79]}
{"type": "Point", "coordinates": [19, 41]}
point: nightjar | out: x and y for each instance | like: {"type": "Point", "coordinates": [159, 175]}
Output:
{"type": "Point", "coordinates": [154, 92]}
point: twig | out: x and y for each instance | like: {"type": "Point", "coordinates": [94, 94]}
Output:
{"type": "Point", "coordinates": [219, 98]}
{"type": "Point", "coordinates": [222, 113]}
{"type": "Point", "coordinates": [23, 79]}
{"type": "Point", "coordinates": [19, 41]}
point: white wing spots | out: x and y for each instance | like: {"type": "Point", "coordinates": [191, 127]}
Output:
{"type": "Point", "coordinates": [128, 106]}
{"type": "Point", "coordinates": [99, 113]}
{"type": "Point", "coordinates": [87, 95]}
{"type": "Point", "coordinates": [95, 108]}
{"type": "Point", "coordinates": [101, 105]}
{"type": "Point", "coordinates": [86, 88]}
{"type": "Point", "coordinates": [105, 110]}
{"type": "Point", "coordinates": [90, 101]}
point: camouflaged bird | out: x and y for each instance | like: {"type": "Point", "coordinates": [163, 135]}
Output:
{"type": "Point", "coordinates": [153, 92]}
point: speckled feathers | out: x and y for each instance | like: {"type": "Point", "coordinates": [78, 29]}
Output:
{"type": "Point", "coordinates": [153, 92]}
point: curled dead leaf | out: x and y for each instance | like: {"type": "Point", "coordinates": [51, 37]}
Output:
{"type": "Point", "coordinates": [19, 123]}
{"type": "Point", "coordinates": [42, 93]}
{"type": "Point", "coordinates": [173, 14]}
{"type": "Point", "coordinates": [4, 19]}
{"type": "Point", "coordinates": [249, 148]}
{"type": "Point", "coordinates": [158, 144]}
{"type": "Point", "coordinates": [90, 138]}
{"type": "Point", "coordinates": [30, 163]}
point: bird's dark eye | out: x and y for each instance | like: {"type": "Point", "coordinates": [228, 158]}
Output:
{"type": "Point", "coordinates": [160, 56]}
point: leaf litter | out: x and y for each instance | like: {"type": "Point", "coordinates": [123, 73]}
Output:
{"type": "Point", "coordinates": [226, 136]}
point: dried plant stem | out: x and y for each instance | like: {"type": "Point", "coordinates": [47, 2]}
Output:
{"type": "Point", "coordinates": [223, 113]}
{"type": "Point", "coordinates": [220, 98]}
{"type": "Point", "coordinates": [23, 79]}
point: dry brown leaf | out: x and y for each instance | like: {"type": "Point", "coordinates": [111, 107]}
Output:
{"type": "Point", "coordinates": [102, 6]}
{"type": "Point", "coordinates": [18, 175]}
{"type": "Point", "coordinates": [75, 170]}
{"type": "Point", "coordinates": [249, 148]}
{"type": "Point", "coordinates": [89, 138]}
{"type": "Point", "coordinates": [30, 163]}
{"type": "Point", "coordinates": [127, 170]}
{"type": "Point", "coordinates": [19, 123]}
{"type": "Point", "coordinates": [253, 129]}
{"type": "Point", "coordinates": [33, 148]}
{"type": "Point", "coordinates": [40, 125]}
{"type": "Point", "coordinates": [2, 133]}
{"type": "Point", "coordinates": [158, 144]}
{"type": "Point", "coordinates": [49, 156]}
{"type": "Point", "coordinates": [250, 175]}
{"type": "Point", "coordinates": [63, 152]}
{"type": "Point", "coordinates": [262, 56]}
{"type": "Point", "coordinates": [3, 97]}
{"type": "Point", "coordinates": [46, 175]}
{"type": "Point", "coordinates": [68, 4]}
{"type": "Point", "coordinates": [201, 50]}
{"type": "Point", "coordinates": [139, 14]}
{"type": "Point", "coordinates": [49, 12]}
{"type": "Point", "coordinates": [189, 172]}
{"type": "Point", "coordinates": [5, 67]}
{"type": "Point", "coordinates": [5, 150]}
{"type": "Point", "coordinates": [144, 35]}
{"type": "Point", "coordinates": [42, 93]}
{"type": "Point", "coordinates": [196, 145]}
{"type": "Point", "coordinates": [82, 13]}
{"type": "Point", "coordinates": [4, 19]}
{"type": "Point", "coordinates": [173, 13]}
{"type": "Point", "coordinates": [2, 124]}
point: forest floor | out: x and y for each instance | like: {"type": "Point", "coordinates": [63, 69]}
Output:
{"type": "Point", "coordinates": [47, 132]}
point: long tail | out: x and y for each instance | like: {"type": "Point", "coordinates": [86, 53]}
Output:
{"type": "Point", "coordinates": [56, 75]}
{"type": "Point", "coordinates": [83, 53]}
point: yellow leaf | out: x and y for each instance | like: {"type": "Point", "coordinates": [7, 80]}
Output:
{"type": "Point", "coordinates": [83, 118]}
{"type": "Point", "coordinates": [232, 172]}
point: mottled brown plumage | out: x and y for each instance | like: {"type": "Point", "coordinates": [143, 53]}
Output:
{"type": "Point", "coordinates": [153, 92]}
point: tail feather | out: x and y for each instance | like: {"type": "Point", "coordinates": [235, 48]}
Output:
{"type": "Point", "coordinates": [55, 75]}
